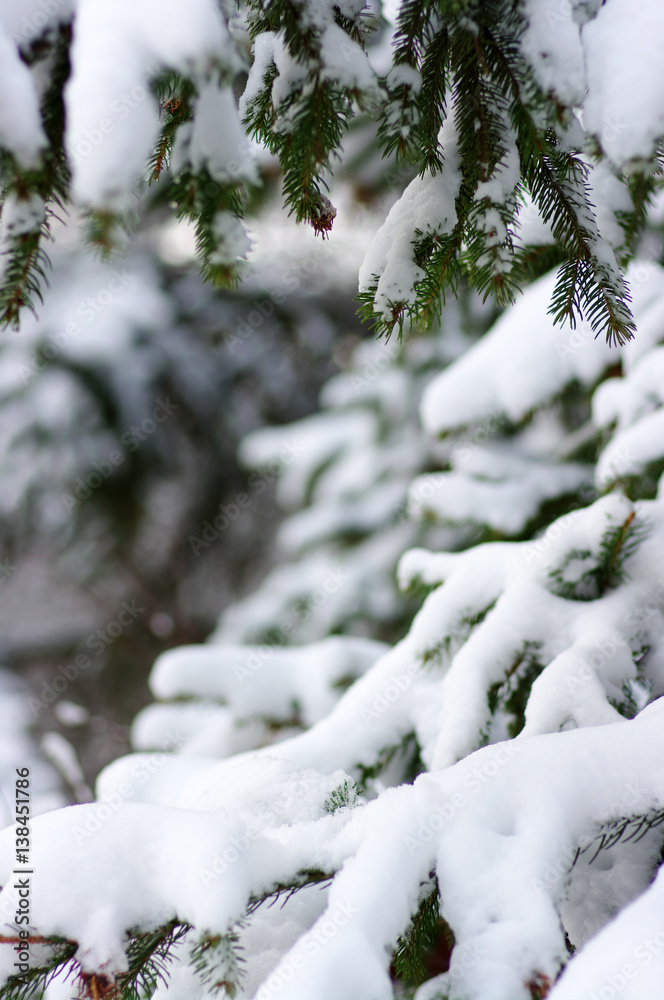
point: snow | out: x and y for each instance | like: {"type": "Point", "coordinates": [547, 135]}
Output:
{"type": "Point", "coordinates": [51, 432]}
{"type": "Point", "coordinates": [26, 21]}
{"type": "Point", "coordinates": [59, 751]}
{"type": "Point", "coordinates": [19, 749]}
{"type": "Point", "coordinates": [552, 45]}
{"type": "Point", "coordinates": [631, 450]}
{"type": "Point", "coordinates": [343, 477]}
{"type": "Point", "coordinates": [70, 714]}
{"type": "Point", "coordinates": [526, 359]}
{"type": "Point", "coordinates": [263, 57]}
{"type": "Point", "coordinates": [214, 809]}
{"type": "Point", "coordinates": [22, 215]}
{"type": "Point", "coordinates": [336, 56]}
{"type": "Point", "coordinates": [625, 958]}
{"type": "Point", "coordinates": [204, 728]}
{"type": "Point", "coordinates": [633, 403]}
{"type": "Point", "coordinates": [427, 206]}
{"type": "Point", "coordinates": [321, 592]}
{"type": "Point", "coordinates": [495, 487]}
{"type": "Point", "coordinates": [241, 762]}
{"type": "Point", "coordinates": [20, 119]}
{"type": "Point", "coordinates": [299, 448]}
{"type": "Point", "coordinates": [345, 62]}
{"type": "Point", "coordinates": [223, 149]}
{"type": "Point", "coordinates": [266, 681]}
{"type": "Point", "coordinates": [233, 241]}
{"type": "Point", "coordinates": [175, 877]}
{"type": "Point", "coordinates": [600, 57]}
{"type": "Point", "coordinates": [112, 118]}
{"type": "Point", "coordinates": [624, 107]}
{"type": "Point", "coordinates": [493, 825]}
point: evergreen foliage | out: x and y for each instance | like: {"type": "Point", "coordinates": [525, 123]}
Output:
{"type": "Point", "coordinates": [426, 933]}
{"type": "Point", "coordinates": [461, 104]}
{"type": "Point", "coordinates": [472, 809]}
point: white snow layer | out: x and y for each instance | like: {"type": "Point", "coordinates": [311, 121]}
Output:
{"type": "Point", "coordinates": [112, 118]}
{"type": "Point", "coordinates": [624, 106]}
{"type": "Point", "coordinates": [427, 206]}
{"type": "Point", "coordinates": [20, 119]}
{"type": "Point", "coordinates": [526, 359]}
{"type": "Point", "coordinates": [493, 486]}
{"type": "Point", "coordinates": [266, 680]}
{"type": "Point", "coordinates": [195, 836]}
{"type": "Point", "coordinates": [606, 59]}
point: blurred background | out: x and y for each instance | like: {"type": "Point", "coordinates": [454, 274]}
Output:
{"type": "Point", "coordinates": [122, 404]}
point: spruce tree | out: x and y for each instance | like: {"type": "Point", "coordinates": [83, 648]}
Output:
{"type": "Point", "coordinates": [473, 810]}
{"type": "Point", "coordinates": [478, 99]}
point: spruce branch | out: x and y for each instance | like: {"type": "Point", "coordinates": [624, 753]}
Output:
{"type": "Point", "coordinates": [426, 946]}
{"type": "Point", "coordinates": [24, 276]}
{"type": "Point", "coordinates": [589, 283]}
{"type": "Point", "coordinates": [282, 892]}
{"type": "Point", "coordinates": [306, 126]}
{"type": "Point", "coordinates": [33, 982]}
{"type": "Point", "coordinates": [511, 694]}
{"type": "Point", "coordinates": [149, 953]}
{"type": "Point", "coordinates": [217, 960]}
{"type": "Point", "coordinates": [416, 88]}
{"type": "Point", "coordinates": [625, 830]}
{"type": "Point", "coordinates": [406, 750]}
{"type": "Point", "coordinates": [584, 576]}
{"type": "Point", "coordinates": [643, 186]}
{"type": "Point", "coordinates": [344, 797]}
{"type": "Point", "coordinates": [103, 231]}
{"type": "Point", "coordinates": [305, 131]}
{"type": "Point", "coordinates": [175, 94]}
{"type": "Point", "coordinates": [467, 56]}
{"type": "Point", "coordinates": [24, 270]}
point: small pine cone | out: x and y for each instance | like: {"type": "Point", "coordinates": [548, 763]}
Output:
{"type": "Point", "coordinates": [322, 222]}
